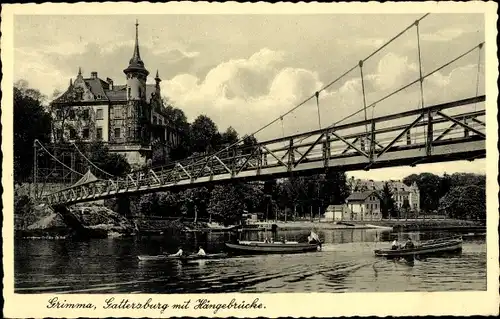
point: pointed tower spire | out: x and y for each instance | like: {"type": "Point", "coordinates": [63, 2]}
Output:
{"type": "Point", "coordinates": [157, 78]}
{"type": "Point", "coordinates": [79, 71]}
{"type": "Point", "coordinates": [137, 54]}
{"type": "Point", "coordinates": [136, 63]}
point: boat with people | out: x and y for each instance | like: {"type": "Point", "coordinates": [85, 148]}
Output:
{"type": "Point", "coordinates": [271, 248]}
{"type": "Point", "coordinates": [430, 247]}
{"type": "Point", "coordinates": [181, 257]}
{"type": "Point", "coordinates": [275, 247]}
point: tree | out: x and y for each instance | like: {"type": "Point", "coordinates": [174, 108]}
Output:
{"type": "Point", "coordinates": [194, 202]}
{"type": "Point", "coordinates": [204, 134]}
{"type": "Point", "coordinates": [335, 188]}
{"type": "Point", "coordinates": [170, 203]}
{"type": "Point", "coordinates": [409, 180]}
{"type": "Point", "coordinates": [249, 143]}
{"type": "Point", "coordinates": [430, 189]}
{"type": "Point", "coordinates": [148, 204]}
{"type": "Point", "coordinates": [31, 122]}
{"type": "Point", "coordinates": [229, 137]}
{"type": "Point", "coordinates": [225, 204]}
{"type": "Point", "coordinates": [386, 201]}
{"type": "Point", "coordinates": [465, 202]}
{"type": "Point", "coordinates": [99, 154]}
{"type": "Point", "coordinates": [178, 121]}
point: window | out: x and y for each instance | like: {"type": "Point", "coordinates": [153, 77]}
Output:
{"type": "Point", "coordinates": [118, 113]}
{"type": "Point", "coordinates": [72, 133]}
{"type": "Point", "coordinates": [85, 133]}
{"type": "Point", "coordinates": [117, 132]}
{"type": "Point", "coordinates": [154, 119]}
{"type": "Point", "coordinates": [99, 133]}
{"type": "Point", "coordinates": [59, 114]}
{"type": "Point", "coordinates": [71, 114]}
{"type": "Point", "coordinates": [98, 114]}
{"type": "Point", "coordinates": [129, 93]}
{"type": "Point", "coordinates": [59, 134]}
{"type": "Point", "coordinates": [85, 114]}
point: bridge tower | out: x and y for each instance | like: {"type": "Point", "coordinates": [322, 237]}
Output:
{"type": "Point", "coordinates": [137, 108]}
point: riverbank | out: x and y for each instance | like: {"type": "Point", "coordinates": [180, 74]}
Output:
{"type": "Point", "coordinates": [297, 225]}
{"type": "Point", "coordinates": [397, 225]}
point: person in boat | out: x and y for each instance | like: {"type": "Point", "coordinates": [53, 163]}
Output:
{"type": "Point", "coordinates": [201, 252]}
{"type": "Point", "coordinates": [178, 253]}
{"type": "Point", "coordinates": [283, 240]}
{"type": "Point", "coordinates": [409, 244]}
{"type": "Point", "coordinates": [266, 240]}
{"type": "Point", "coordinates": [395, 245]}
{"type": "Point", "coordinates": [313, 238]}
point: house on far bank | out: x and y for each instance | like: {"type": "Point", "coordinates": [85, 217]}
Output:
{"type": "Point", "coordinates": [364, 205]}
{"type": "Point", "coordinates": [401, 192]}
{"type": "Point", "coordinates": [337, 213]}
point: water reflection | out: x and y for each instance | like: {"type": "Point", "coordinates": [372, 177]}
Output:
{"type": "Point", "coordinates": [346, 263]}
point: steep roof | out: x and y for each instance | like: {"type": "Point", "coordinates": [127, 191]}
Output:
{"type": "Point", "coordinates": [86, 179]}
{"type": "Point", "coordinates": [360, 196]}
{"type": "Point", "coordinates": [119, 93]}
{"type": "Point", "coordinates": [379, 185]}
{"type": "Point", "coordinates": [100, 89]}
{"type": "Point", "coordinates": [96, 86]}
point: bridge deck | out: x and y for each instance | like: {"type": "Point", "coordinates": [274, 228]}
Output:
{"type": "Point", "coordinates": [444, 132]}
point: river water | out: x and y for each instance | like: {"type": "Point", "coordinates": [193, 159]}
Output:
{"type": "Point", "coordinates": [345, 264]}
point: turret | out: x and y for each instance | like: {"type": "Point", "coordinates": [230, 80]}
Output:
{"type": "Point", "coordinates": [136, 72]}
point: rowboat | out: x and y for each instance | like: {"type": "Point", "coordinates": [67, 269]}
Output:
{"type": "Point", "coordinates": [188, 257]}
{"type": "Point", "coordinates": [431, 247]}
{"type": "Point", "coordinates": [253, 247]}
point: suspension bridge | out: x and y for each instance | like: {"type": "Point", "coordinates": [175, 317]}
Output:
{"type": "Point", "coordinates": [451, 130]}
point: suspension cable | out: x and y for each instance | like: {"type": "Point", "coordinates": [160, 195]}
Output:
{"type": "Point", "coordinates": [420, 71]}
{"type": "Point", "coordinates": [360, 63]}
{"type": "Point", "coordinates": [313, 95]}
{"type": "Point", "coordinates": [282, 129]}
{"type": "Point", "coordinates": [408, 85]}
{"type": "Point", "coordinates": [91, 161]}
{"type": "Point", "coordinates": [39, 143]}
{"type": "Point", "coordinates": [364, 97]}
{"type": "Point", "coordinates": [319, 113]}
{"type": "Point", "coordinates": [478, 72]}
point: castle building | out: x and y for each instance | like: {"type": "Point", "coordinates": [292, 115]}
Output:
{"type": "Point", "coordinates": [400, 191]}
{"type": "Point", "coordinates": [130, 118]}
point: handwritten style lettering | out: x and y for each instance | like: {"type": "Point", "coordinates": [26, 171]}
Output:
{"type": "Point", "coordinates": [126, 304]}
{"type": "Point", "coordinates": [204, 304]}
{"type": "Point", "coordinates": [55, 303]}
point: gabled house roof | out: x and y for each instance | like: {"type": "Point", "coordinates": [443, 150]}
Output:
{"type": "Point", "coordinates": [100, 89]}
{"type": "Point", "coordinates": [360, 196]}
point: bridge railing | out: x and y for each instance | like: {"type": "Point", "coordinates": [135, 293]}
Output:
{"type": "Point", "coordinates": [366, 142]}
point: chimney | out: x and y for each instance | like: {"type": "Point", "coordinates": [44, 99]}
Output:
{"type": "Point", "coordinates": [110, 82]}
{"type": "Point", "coordinates": [94, 75]}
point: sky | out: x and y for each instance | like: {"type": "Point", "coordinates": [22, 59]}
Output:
{"type": "Point", "coordinates": [246, 70]}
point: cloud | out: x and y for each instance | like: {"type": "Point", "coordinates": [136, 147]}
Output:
{"type": "Point", "coordinates": [249, 93]}
{"type": "Point", "coordinates": [174, 54]}
{"type": "Point", "coordinates": [443, 35]}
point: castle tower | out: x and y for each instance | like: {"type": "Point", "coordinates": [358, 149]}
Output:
{"type": "Point", "coordinates": [136, 95]}
{"type": "Point", "coordinates": [136, 73]}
